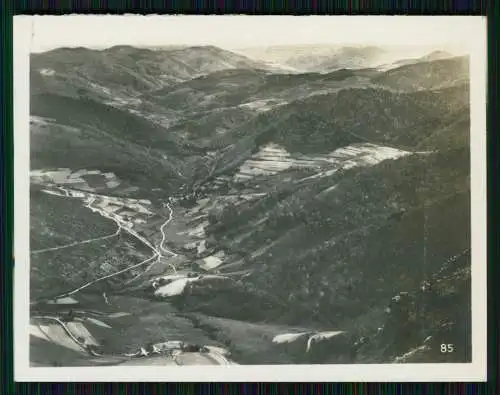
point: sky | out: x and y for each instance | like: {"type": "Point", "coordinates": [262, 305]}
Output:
{"type": "Point", "coordinates": [237, 32]}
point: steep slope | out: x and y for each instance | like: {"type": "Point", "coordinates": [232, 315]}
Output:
{"type": "Point", "coordinates": [81, 133]}
{"type": "Point", "coordinates": [322, 123]}
{"type": "Point", "coordinates": [413, 326]}
{"type": "Point", "coordinates": [434, 55]}
{"type": "Point", "coordinates": [325, 122]}
{"type": "Point", "coordinates": [301, 235]}
{"type": "Point", "coordinates": [208, 59]}
{"type": "Point", "coordinates": [421, 322]}
{"type": "Point", "coordinates": [436, 74]}
{"type": "Point", "coordinates": [72, 245]}
{"type": "Point", "coordinates": [126, 71]}
{"type": "Point", "coordinates": [214, 90]}
{"type": "Point", "coordinates": [451, 132]}
{"type": "Point", "coordinates": [229, 88]}
{"type": "Point", "coordinates": [104, 75]}
{"type": "Point", "coordinates": [211, 111]}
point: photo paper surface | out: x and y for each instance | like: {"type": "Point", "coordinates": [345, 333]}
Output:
{"type": "Point", "coordinates": [274, 198]}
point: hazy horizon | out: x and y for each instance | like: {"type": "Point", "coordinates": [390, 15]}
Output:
{"type": "Point", "coordinates": [246, 32]}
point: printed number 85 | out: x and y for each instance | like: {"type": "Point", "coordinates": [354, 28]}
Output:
{"type": "Point", "coordinates": [446, 348]}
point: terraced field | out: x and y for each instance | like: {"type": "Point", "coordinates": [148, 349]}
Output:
{"type": "Point", "coordinates": [137, 324]}
{"type": "Point", "coordinates": [272, 159]}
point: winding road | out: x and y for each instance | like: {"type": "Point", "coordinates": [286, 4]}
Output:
{"type": "Point", "coordinates": [76, 243]}
{"type": "Point", "coordinates": [35, 252]}
{"type": "Point", "coordinates": [66, 329]}
{"type": "Point", "coordinates": [214, 356]}
{"type": "Point", "coordinates": [160, 247]}
{"type": "Point", "coordinates": [163, 236]}
{"type": "Point", "coordinates": [157, 251]}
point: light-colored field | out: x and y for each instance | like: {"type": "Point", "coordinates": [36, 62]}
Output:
{"type": "Point", "coordinates": [211, 262]}
{"type": "Point", "coordinates": [263, 105]}
{"type": "Point", "coordinates": [80, 331]}
{"type": "Point", "coordinates": [65, 301]}
{"type": "Point", "coordinates": [272, 159]}
{"type": "Point", "coordinates": [82, 179]}
{"type": "Point", "coordinates": [54, 333]}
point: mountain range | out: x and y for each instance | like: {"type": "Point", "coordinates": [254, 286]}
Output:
{"type": "Point", "coordinates": [330, 197]}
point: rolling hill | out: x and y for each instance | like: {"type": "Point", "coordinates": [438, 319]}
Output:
{"type": "Point", "coordinates": [427, 74]}
{"type": "Point", "coordinates": [127, 71]}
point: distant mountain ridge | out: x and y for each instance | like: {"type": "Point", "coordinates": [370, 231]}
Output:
{"type": "Point", "coordinates": [325, 58]}
{"type": "Point", "coordinates": [434, 55]}
{"type": "Point", "coordinates": [322, 58]}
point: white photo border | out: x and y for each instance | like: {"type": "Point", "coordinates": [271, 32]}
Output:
{"type": "Point", "coordinates": [465, 30]}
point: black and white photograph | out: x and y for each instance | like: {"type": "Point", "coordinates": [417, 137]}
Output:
{"type": "Point", "coordinates": [301, 195]}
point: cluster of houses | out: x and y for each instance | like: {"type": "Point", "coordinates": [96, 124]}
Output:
{"type": "Point", "coordinates": [130, 210]}
{"type": "Point", "coordinates": [175, 348]}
